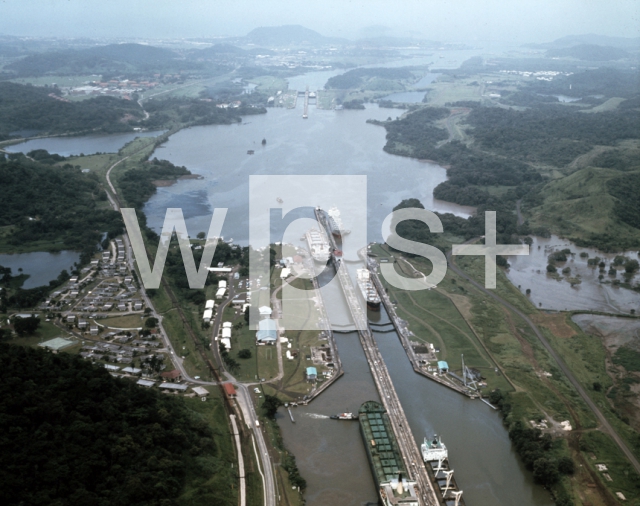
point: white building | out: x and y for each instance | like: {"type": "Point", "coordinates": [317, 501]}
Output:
{"type": "Point", "coordinates": [208, 314]}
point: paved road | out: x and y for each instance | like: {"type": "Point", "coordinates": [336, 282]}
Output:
{"type": "Point", "coordinates": [243, 399]}
{"type": "Point", "coordinates": [245, 403]}
{"type": "Point", "coordinates": [604, 423]}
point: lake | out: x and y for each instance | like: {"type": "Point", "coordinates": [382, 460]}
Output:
{"type": "Point", "coordinates": [86, 144]}
{"type": "Point", "coordinates": [41, 266]}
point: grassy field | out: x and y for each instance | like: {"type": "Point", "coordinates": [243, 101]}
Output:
{"type": "Point", "coordinates": [270, 84]}
{"type": "Point", "coordinates": [579, 205]}
{"type": "Point", "coordinates": [443, 91]}
{"type": "Point", "coordinates": [182, 341]}
{"type": "Point", "coordinates": [212, 411]}
{"type": "Point", "coordinates": [609, 105]}
{"type": "Point", "coordinates": [123, 322]}
{"type": "Point", "coordinates": [598, 448]}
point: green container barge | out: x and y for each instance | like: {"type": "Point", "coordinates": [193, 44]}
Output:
{"type": "Point", "coordinates": [384, 457]}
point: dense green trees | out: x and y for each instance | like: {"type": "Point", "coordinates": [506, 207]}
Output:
{"type": "Point", "coordinates": [550, 134]}
{"type": "Point", "coordinates": [137, 183]}
{"type": "Point", "coordinates": [244, 353]}
{"type": "Point", "coordinates": [626, 189]}
{"type": "Point", "coordinates": [270, 405]}
{"type": "Point", "coordinates": [72, 434]}
{"type": "Point", "coordinates": [112, 58]}
{"type": "Point", "coordinates": [26, 326]}
{"type": "Point", "coordinates": [465, 228]}
{"type": "Point", "coordinates": [25, 107]}
{"type": "Point", "coordinates": [58, 204]}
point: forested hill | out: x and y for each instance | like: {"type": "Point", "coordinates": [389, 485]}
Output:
{"type": "Point", "coordinates": [70, 434]}
{"type": "Point", "coordinates": [24, 107]}
{"type": "Point", "coordinates": [101, 59]}
{"type": "Point", "coordinates": [59, 204]}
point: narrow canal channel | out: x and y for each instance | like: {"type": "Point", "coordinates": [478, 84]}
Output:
{"type": "Point", "coordinates": [331, 456]}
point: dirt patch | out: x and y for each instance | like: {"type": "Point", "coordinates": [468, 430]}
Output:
{"type": "Point", "coordinates": [463, 304]}
{"type": "Point", "coordinates": [556, 323]}
{"type": "Point", "coordinates": [527, 350]}
{"type": "Point", "coordinates": [614, 332]}
{"type": "Point", "coordinates": [158, 183]}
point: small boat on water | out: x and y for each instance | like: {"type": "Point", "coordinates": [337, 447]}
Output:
{"type": "Point", "coordinates": [250, 151]}
{"type": "Point", "coordinates": [344, 416]}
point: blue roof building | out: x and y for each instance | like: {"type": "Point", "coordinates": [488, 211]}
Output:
{"type": "Point", "coordinates": [267, 331]}
{"type": "Point", "coordinates": [312, 373]}
{"type": "Point", "coordinates": [443, 367]}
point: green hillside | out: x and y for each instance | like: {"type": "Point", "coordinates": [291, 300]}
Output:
{"type": "Point", "coordinates": [581, 207]}
{"type": "Point", "coordinates": [24, 107]}
{"type": "Point", "coordinates": [101, 59]}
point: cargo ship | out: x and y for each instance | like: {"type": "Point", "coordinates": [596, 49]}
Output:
{"type": "Point", "coordinates": [436, 460]}
{"type": "Point", "coordinates": [344, 416]}
{"type": "Point", "coordinates": [434, 450]}
{"type": "Point", "coordinates": [368, 290]}
{"type": "Point", "coordinates": [335, 223]}
{"type": "Point", "coordinates": [318, 245]}
{"type": "Point", "coordinates": [384, 456]}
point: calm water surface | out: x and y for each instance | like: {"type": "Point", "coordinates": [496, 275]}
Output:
{"type": "Point", "coordinates": [530, 272]}
{"type": "Point", "coordinates": [41, 266]}
{"type": "Point", "coordinates": [87, 144]}
{"type": "Point", "coordinates": [328, 143]}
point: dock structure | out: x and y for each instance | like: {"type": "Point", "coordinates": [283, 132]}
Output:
{"type": "Point", "coordinates": [403, 334]}
{"type": "Point", "coordinates": [305, 114]}
{"type": "Point", "coordinates": [411, 456]}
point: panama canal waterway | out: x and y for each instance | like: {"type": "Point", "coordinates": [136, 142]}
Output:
{"type": "Point", "coordinates": [330, 454]}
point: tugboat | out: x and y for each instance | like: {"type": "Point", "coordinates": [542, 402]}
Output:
{"type": "Point", "coordinates": [344, 416]}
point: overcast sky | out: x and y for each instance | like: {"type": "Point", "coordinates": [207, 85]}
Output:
{"type": "Point", "coordinates": [514, 21]}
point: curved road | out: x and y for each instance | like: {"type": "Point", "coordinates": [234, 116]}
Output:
{"type": "Point", "coordinates": [606, 426]}
{"type": "Point", "coordinates": [249, 414]}
{"type": "Point", "coordinates": [243, 398]}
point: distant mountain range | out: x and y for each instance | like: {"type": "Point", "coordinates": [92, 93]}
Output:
{"type": "Point", "coordinates": [589, 52]}
{"type": "Point", "coordinates": [289, 35]}
{"type": "Point", "coordinates": [590, 39]}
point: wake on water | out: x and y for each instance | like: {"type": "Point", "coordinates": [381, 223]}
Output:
{"type": "Point", "coordinates": [316, 415]}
